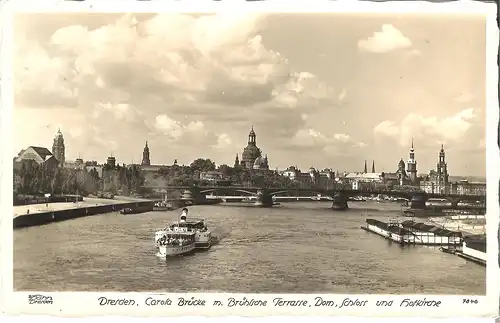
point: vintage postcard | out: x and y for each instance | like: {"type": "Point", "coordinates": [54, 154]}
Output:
{"type": "Point", "coordinates": [250, 159]}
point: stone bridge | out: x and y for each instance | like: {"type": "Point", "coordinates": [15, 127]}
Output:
{"type": "Point", "coordinates": [339, 195]}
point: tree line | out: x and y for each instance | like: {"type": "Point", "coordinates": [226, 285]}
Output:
{"type": "Point", "coordinates": [33, 178]}
{"type": "Point", "coordinates": [177, 175]}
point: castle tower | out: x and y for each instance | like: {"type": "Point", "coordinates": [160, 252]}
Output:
{"type": "Point", "coordinates": [145, 156]}
{"type": "Point", "coordinates": [412, 165]}
{"type": "Point", "coordinates": [58, 148]}
{"type": "Point", "coordinates": [401, 172]}
{"type": "Point", "coordinates": [373, 167]}
{"type": "Point", "coordinates": [366, 169]}
{"type": "Point", "coordinates": [111, 161]}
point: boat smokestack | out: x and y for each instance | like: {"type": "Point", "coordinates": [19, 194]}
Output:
{"type": "Point", "coordinates": [184, 215]}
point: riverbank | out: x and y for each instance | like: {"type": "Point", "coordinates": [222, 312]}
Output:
{"type": "Point", "coordinates": [39, 214]}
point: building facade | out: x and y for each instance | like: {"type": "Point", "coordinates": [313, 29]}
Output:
{"type": "Point", "coordinates": [313, 178]}
{"type": "Point", "coordinates": [40, 155]}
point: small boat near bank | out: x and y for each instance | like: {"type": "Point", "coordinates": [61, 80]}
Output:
{"type": "Point", "coordinates": [135, 210]}
{"type": "Point", "coordinates": [163, 206]}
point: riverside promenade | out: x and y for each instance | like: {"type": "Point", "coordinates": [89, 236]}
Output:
{"type": "Point", "coordinates": [38, 214]}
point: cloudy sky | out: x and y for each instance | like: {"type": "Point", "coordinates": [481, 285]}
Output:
{"type": "Point", "coordinates": [323, 90]}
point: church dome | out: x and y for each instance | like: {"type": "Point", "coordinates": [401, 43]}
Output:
{"type": "Point", "coordinates": [250, 153]}
{"type": "Point", "coordinates": [258, 161]}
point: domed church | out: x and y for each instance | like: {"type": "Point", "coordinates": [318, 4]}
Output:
{"type": "Point", "coordinates": [252, 155]}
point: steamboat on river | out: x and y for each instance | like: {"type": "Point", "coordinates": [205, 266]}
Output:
{"type": "Point", "coordinates": [183, 236]}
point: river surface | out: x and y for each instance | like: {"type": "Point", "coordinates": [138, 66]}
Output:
{"type": "Point", "coordinates": [302, 247]}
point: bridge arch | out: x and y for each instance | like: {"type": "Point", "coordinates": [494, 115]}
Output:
{"type": "Point", "coordinates": [293, 190]}
{"type": "Point", "coordinates": [223, 189]}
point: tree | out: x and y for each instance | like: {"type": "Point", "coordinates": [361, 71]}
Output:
{"type": "Point", "coordinates": [226, 170]}
{"type": "Point", "coordinates": [202, 165]}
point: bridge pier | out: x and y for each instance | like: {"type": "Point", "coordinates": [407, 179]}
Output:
{"type": "Point", "coordinates": [418, 201]}
{"type": "Point", "coordinates": [454, 202]}
{"type": "Point", "coordinates": [339, 202]}
{"type": "Point", "coordinates": [192, 196]}
{"type": "Point", "coordinates": [264, 199]}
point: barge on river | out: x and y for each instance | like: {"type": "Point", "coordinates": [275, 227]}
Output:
{"type": "Point", "coordinates": [473, 249]}
{"type": "Point", "coordinates": [413, 233]}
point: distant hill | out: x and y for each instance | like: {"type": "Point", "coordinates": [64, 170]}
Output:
{"type": "Point", "coordinates": [479, 179]}
{"type": "Point", "coordinates": [475, 179]}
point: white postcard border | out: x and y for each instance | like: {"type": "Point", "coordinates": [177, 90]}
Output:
{"type": "Point", "coordinates": [81, 304]}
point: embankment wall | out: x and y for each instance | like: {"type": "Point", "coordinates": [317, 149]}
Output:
{"type": "Point", "coordinates": [34, 219]}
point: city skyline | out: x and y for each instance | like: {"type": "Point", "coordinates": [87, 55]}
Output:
{"type": "Point", "coordinates": [124, 81]}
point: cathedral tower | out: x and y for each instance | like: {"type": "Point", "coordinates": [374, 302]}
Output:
{"type": "Point", "coordinates": [58, 149]}
{"type": "Point", "coordinates": [145, 156]}
{"type": "Point", "coordinates": [442, 169]}
{"type": "Point", "coordinates": [412, 165]}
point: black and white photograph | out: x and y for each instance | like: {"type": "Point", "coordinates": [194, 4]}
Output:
{"type": "Point", "coordinates": [250, 152]}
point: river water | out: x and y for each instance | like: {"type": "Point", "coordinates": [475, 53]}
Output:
{"type": "Point", "coordinates": [302, 247]}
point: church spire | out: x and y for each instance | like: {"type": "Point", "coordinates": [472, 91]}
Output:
{"type": "Point", "coordinates": [236, 161]}
{"type": "Point", "coordinates": [366, 169]}
{"type": "Point", "coordinates": [252, 137]}
{"type": "Point", "coordinates": [373, 167]}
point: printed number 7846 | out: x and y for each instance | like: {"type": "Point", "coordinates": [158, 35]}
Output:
{"type": "Point", "coordinates": [469, 301]}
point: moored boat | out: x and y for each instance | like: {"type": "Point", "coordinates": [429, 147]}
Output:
{"type": "Point", "coordinates": [176, 242]}
{"type": "Point", "coordinates": [163, 206]}
{"type": "Point", "coordinates": [135, 210]}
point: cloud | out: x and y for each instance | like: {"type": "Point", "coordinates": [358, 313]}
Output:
{"type": "Point", "coordinates": [342, 95]}
{"type": "Point", "coordinates": [387, 40]}
{"type": "Point", "coordinates": [440, 130]}
{"type": "Point", "coordinates": [146, 75]}
{"type": "Point", "coordinates": [311, 139]}
{"type": "Point", "coordinates": [193, 133]}
{"type": "Point", "coordinates": [224, 142]}
{"type": "Point", "coordinates": [464, 97]}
